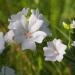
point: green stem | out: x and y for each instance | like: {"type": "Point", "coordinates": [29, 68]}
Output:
{"type": "Point", "coordinates": [67, 38]}
{"type": "Point", "coordinates": [69, 42]}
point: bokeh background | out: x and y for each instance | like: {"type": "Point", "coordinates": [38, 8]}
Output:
{"type": "Point", "coordinates": [32, 63]}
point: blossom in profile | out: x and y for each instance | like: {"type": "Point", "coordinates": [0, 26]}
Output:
{"type": "Point", "coordinates": [7, 71]}
{"type": "Point", "coordinates": [28, 31]}
{"type": "Point", "coordinates": [2, 42]}
{"type": "Point", "coordinates": [55, 50]}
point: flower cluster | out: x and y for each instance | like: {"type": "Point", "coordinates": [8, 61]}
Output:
{"type": "Point", "coordinates": [28, 30]}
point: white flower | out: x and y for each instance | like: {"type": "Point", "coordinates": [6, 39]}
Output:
{"type": "Point", "coordinates": [2, 42]}
{"type": "Point", "coordinates": [54, 51]}
{"type": "Point", "coordinates": [7, 71]}
{"type": "Point", "coordinates": [9, 36]}
{"type": "Point", "coordinates": [29, 31]}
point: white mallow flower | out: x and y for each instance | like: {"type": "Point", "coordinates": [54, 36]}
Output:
{"type": "Point", "coordinates": [7, 71]}
{"type": "Point", "coordinates": [29, 31]}
{"type": "Point", "coordinates": [54, 51]}
{"type": "Point", "coordinates": [2, 42]}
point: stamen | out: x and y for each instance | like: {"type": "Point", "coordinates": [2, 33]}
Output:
{"type": "Point", "coordinates": [28, 34]}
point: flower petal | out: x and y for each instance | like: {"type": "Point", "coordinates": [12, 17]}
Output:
{"type": "Point", "coordinates": [49, 52]}
{"type": "Point", "coordinates": [51, 58]}
{"type": "Point", "coordinates": [59, 46]}
{"type": "Point", "coordinates": [32, 19]}
{"type": "Point", "coordinates": [9, 36]}
{"type": "Point", "coordinates": [18, 15]}
{"type": "Point", "coordinates": [38, 36]}
{"type": "Point", "coordinates": [13, 25]}
{"type": "Point", "coordinates": [19, 36]}
{"type": "Point", "coordinates": [59, 57]}
{"type": "Point", "coordinates": [35, 22]}
{"type": "Point", "coordinates": [34, 16]}
{"type": "Point", "coordinates": [36, 26]}
{"type": "Point", "coordinates": [28, 45]}
{"type": "Point", "coordinates": [22, 23]}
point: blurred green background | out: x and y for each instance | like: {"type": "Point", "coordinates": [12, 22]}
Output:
{"type": "Point", "coordinates": [32, 63]}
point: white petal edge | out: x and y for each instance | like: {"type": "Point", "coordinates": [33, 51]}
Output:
{"type": "Point", "coordinates": [38, 36]}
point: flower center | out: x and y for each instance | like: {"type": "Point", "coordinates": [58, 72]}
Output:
{"type": "Point", "coordinates": [28, 35]}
